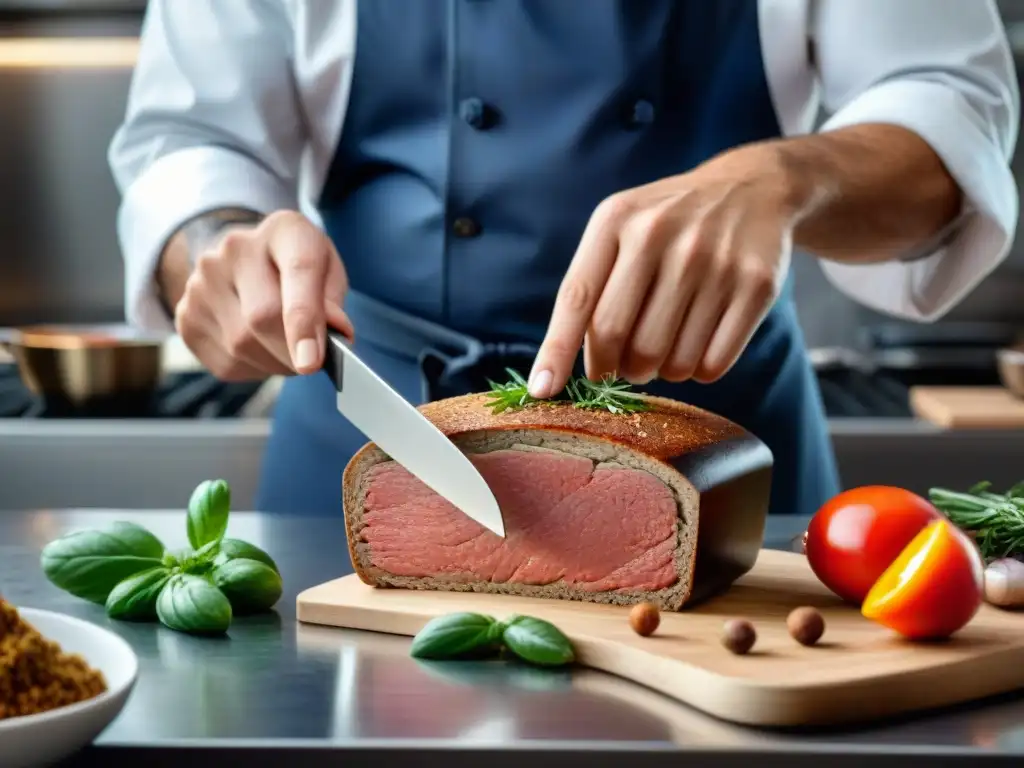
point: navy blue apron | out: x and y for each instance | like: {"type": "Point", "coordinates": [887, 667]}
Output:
{"type": "Point", "coordinates": [479, 137]}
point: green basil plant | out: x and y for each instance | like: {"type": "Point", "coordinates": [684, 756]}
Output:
{"type": "Point", "coordinates": [197, 589]}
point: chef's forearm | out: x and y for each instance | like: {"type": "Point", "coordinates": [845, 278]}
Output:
{"type": "Point", "coordinates": [195, 237]}
{"type": "Point", "coordinates": [866, 193]}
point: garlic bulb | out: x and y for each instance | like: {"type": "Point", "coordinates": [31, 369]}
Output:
{"type": "Point", "coordinates": [1004, 583]}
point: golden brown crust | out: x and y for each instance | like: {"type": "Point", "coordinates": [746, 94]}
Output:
{"type": "Point", "coordinates": [668, 430]}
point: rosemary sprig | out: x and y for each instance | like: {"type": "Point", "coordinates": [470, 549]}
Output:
{"type": "Point", "coordinates": [512, 394]}
{"type": "Point", "coordinates": [996, 519]}
{"type": "Point", "coordinates": [609, 394]}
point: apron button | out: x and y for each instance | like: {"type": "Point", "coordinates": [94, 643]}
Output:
{"type": "Point", "coordinates": [476, 114]}
{"type": "Point", "coordinates": [465, 227]}
{"type": "Point", "coordinates": [641, 114]}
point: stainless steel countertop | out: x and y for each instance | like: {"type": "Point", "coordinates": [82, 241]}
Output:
{"type": "Point", "coordinates": [291, 694]}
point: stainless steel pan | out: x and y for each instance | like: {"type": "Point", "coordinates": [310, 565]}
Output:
{"type": "Point", "coordinates": [85, 367]}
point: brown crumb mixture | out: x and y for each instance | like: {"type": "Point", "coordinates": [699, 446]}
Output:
{"type": "Point", "coordinates": [35, 674]}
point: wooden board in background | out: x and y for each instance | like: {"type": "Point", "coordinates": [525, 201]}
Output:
{"type": "Point", "coordinates": [858, 672]}
{"type": "Point", "coordinates": [968, 407]}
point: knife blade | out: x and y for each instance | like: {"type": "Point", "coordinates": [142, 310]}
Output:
{"type": "Point", "coordinates": [407, 436]}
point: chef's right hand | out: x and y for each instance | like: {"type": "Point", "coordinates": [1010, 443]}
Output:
{"type": "Point", "coordinates": [260, 299]}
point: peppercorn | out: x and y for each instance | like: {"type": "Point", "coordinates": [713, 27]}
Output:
{"type": "Point", "coordinates": [644, 618]}
{"type": "Point", "coordinates": [805, 625]}
{"type": "Point", "coordinates": [739, 636]}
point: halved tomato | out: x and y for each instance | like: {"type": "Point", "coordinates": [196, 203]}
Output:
{"type": "Point", "coordinates": [933, 589]}
{"type": "Point", "coordinates": [857, 534]}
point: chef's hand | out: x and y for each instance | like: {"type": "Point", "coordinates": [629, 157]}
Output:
{"type": "Point", "coordinates": [258, 302]}
{"type": "Point", "coordinates": [671, 279]}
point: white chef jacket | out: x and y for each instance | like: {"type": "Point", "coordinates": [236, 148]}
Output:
{"type": "Point", "coordinates": [240, 103]}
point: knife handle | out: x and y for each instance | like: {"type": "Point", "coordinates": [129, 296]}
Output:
{"type": "Point", "coordinates": [334, 358]}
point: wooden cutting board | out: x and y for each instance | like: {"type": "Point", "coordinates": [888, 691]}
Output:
{"type": "Point", "coordinates": [859, 671]}
{"type": "Point", "coordinates": [968, 407]}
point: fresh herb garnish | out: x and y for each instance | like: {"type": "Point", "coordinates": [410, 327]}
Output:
{"type": "Point", "coordinates": [512, 394]}
{"type": "Point", "coordinates": [995, 519]}
{"type": "Point", "coordinates": [610, 393]}
{"type": "Point", "coordinates": [472, 635]}
{"type": "Point", "coordinates": [198, 589]}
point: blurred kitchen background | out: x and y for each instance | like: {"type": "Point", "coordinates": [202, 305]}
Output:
{"type": "Point", "coordinates": [65, 67]}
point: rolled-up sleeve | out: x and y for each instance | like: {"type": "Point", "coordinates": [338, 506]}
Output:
{"type": "Point", "coordinates": [943, 69]}
{"type": "Point", "coordinates": [211, 123]}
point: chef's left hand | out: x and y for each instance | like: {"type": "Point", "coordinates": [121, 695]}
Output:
{"type": "Point", "coordinates": [671, 279]}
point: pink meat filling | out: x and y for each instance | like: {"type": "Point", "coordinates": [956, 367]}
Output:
{"type": "Point", "coordinates": [565, 521]}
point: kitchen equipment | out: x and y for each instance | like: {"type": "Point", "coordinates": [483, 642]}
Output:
{"type": "Point", "coordinates": [859, 671]}
{"type": "Point", "coordinates": [852, 387]}
{"type": "Point", "coordinates": [185, 390]}
{"type": "Point", "coordinates": [968, 407]}
{"type": "Point", "coordinates": [963, 335]}
{"type": "Point", "coordinates": [1011, 369]}
{"type": "Point", "coordinates": [183, 396]}
{"type": "Point", "coordinates": [407, 436]}
{"type": "Point", "coordinates": [943, 354]}
{"type": "Point", "coordinates": [49, 737]}
{"type": "Point", "coordinates": [86, 368]}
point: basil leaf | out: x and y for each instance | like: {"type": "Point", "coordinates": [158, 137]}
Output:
{"type": "Point", "coordinates": [134, 598]}
{"type": "Point", "coordinates": [199, 562]}
{"type": "Point", "coordinates": [208, 512]}
{"type": "Point", "coordinates": [197, 567]}
{"type": "Point", "coordinates": [457, 634]}
{"type": "Point", "coordinates": [249, 585]}
{"type": "Point", "coordinates": [208, 551]}
{"type": "Point", "coordinates": [89, 564]}
{"type": "Point", "coordinates": [192, 604]}
{"type": "Point", "coordinates": [135, 539]}
{"type": "Point", "coordinates": [537, 642]}
{"type": "Point", "coordinates": [233, 549]}
{"type": "Point", "coordinates": [182, 554]}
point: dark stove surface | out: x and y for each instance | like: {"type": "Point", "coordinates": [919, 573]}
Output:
{"type": "Point", "coordinates": [850, 393]}
{"type": "Point", "coordinates": [191, 395]}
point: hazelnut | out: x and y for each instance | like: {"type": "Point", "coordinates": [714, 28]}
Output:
{"type": "Point", "coordinates": [738, 636]}
{"type": "Point", "coordinates": [644, 618]}
{"type": "Point", "coordinates": [805, 625]}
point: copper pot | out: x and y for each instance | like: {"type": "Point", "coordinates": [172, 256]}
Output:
{"type": "Point", "coordinates": [82, 367]}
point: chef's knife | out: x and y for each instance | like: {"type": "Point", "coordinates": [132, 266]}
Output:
{"type": "Point", "coordinates": [407, 436]}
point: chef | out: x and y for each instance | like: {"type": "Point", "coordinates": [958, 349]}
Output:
{"type": "Point", "coordinates": [562, 187]}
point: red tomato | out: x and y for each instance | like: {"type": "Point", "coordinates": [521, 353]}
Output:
{"type": "Point", "coordinates": [856, 535]}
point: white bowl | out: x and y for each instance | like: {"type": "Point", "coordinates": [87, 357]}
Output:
{"type": "Point", "coordinates": [46, 738]}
